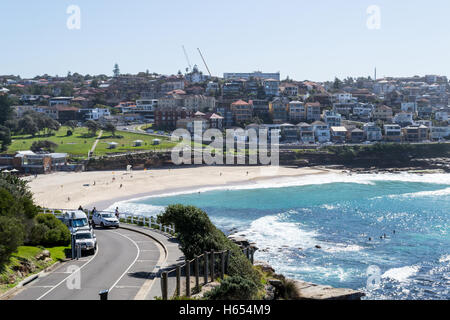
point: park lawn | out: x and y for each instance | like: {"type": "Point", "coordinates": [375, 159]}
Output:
{"type": "Point", "coordinates": [26, 254]}
{"type": "Point", "coordinates": [77, 145]}
{"type": "Point", "coordinates": [126, 143]}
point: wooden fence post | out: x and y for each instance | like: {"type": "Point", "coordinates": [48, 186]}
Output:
{"type": "Point", "coordinates": [212, 265]}
{"type": "Point", "coordinates": [228, 261]}
{"type": "Point", "coordinates": [178, 281]}
{"type": "Point", "coordinates": [164, 286]}
{"type": "Point", "coordinates": [222, 264]}
{"type": "Point", "coordinates": [197, 273]}
{"type": "Point", "coordinates": [188, 278]}
{"type": "Point", "coordinates": [205, 266]}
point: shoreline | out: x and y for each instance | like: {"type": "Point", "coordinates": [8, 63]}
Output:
{"type": "Point", "coordinates": [102, 189]}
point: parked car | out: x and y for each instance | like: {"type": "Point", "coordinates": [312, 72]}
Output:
{"type": "Point", "coordinates": [105, 219]}
{"type": "Point", "coordinates": [87, 240]}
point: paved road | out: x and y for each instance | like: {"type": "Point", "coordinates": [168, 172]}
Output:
{"type": "Point", "coordinates": [124, 264]}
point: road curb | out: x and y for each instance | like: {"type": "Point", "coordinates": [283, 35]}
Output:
{"type": "Point", "coordinates": [12, 292]}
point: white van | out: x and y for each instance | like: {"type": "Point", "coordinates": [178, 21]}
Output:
{"type": "Point", "coordinates": [76, 221]}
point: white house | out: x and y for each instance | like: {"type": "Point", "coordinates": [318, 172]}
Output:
{"type": "Point", "coordinates": [404, 118]}
{"type": "Point", "coordinates": [297, 111]}
{"type": "Point", "coordinates": [332, 118]}
{"type": "Point", "coordinates": [438, 133]}
{"type": "Point", "coordinates": [372, 132]}
{"type": "Point", "coordinates": [321, 131]}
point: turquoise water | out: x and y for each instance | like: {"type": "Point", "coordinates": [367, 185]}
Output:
{"type": "Point", "coordinates": [345, 217]}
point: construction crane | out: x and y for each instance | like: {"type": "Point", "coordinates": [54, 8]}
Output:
{"type": "Point", "coordinates": [204, 62]}
{"type": "Point", "coordinates": [187, 59]}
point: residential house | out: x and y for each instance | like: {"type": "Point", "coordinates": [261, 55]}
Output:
{"type": "Point", "coordinates": [338, 134]}
{"type": "Point", "coordinates": [392, 133]}
{"type": "Point", "coordinates": [271, 87]}
{"type": "Point", "coordinates": [297, 111]}
{"type": "Point", "coordinates": [289, 132]}
{"type": "Point", "coordinates": [372, 132]}
{"type": "Point", "coordinates": [404, 119]}
{"type": "Point", "coordinates": [383, 113]}
{"type": "Point", "coordinates": [313, 111]}
{"type": "Point", "coordinates": [416, 133]}
{"type": "Point", "coordinates": [306, 133]}
{"type": "Point", "coordinates": [60, 101]}
{"type": "Point", "coordinates": [168, 117]}
{"type": "Point", "coordinates": [289, 89]}
{"type": "Point", "coordinates": [279, 111]}
{"type": "Point", "coordinates": [261, 109]}
{"type": "Point", "coordinates": [439, 133]}
{"type": "Point", "coordinates": [355, 135]}
{"type": "Point", "coordinates": [332, 118]}
{"type": "Point", "coordinates": [242, 111]}
{"type": "Point", "coordinates": [321, 131]}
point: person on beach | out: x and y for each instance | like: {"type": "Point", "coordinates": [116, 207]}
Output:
{"type": "Point", "coordinates": [80, 208]}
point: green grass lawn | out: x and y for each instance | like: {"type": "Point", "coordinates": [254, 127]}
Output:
{"type": "Point", "coordinates": [79, 144]}
{"type": "Point", "coordinates": [126, 143]}
{"type": "Point", "coordinates": [27, 254]}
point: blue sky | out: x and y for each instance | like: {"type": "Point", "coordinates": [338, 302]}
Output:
{"type": "Point", "coordinates": [315, 40]}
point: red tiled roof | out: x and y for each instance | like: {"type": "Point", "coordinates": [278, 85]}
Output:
{"type": "Point", "coordinates": [240, 103]}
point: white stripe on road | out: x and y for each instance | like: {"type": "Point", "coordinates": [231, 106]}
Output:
{"type": "Point", "coordinates": [65, 279]}
{"type": "Point", "coordinates": [137, 256]}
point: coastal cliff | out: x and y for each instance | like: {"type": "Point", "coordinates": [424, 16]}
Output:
{"type": "Point", "coordinates": [300, 290]}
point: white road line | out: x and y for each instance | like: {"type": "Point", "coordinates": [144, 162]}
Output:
{"type": "Point", "coordinates": [65, 279]}
{"type": "Point", "coordinates": [137, 256]}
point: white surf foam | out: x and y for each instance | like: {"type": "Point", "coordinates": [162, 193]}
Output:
{"type": "Point", "coordinates": [401, 274]}
{"type": "Point", "coordinates": [283, 182]}
{"type": "Point", "coordinates": [421, 194]}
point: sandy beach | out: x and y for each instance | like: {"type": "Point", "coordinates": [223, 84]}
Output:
{"type": "Point", "coordinates": [65, 190]}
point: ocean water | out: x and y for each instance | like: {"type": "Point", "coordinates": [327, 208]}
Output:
{"type": "Point", "coordinates": [386, 234]}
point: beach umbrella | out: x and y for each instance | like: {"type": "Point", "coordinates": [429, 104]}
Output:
{"type": "Point", "coordinates": [14, 170]}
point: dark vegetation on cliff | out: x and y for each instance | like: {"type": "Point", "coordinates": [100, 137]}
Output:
{"type": "Point", "coordinates": [197, 234]}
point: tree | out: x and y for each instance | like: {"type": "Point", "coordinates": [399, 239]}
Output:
{"type": "Point", "coordinates": [94, 83]}
{"type": "Point", "coordinates": [17, 212]}
{"type": "Point", "coordinates": [92, 126]}
{"type": "Point", "coordinates": [6, 111]}
{"type": "Point", "coordinates": [198, 234]}
{"type": "Point", "coordinates": [28, 125]}
{"type": "Point", "coordinates": [5, 138]}
{"type": "Point", "coordinates": [72, 124]}
{"type": "Point", "coordinates": [12, 125]}
{"type": "Point", "coordinates": [43, 145]}
{"type": "Point", "coordinates": [110, 128]}
{"type": "Point", "coordinates": [337, 83]}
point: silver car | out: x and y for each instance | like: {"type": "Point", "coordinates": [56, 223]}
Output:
{"type": "Point", "coordinates": [105, 220]}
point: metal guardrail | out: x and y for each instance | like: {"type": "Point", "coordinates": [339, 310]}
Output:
{"type": "Point", "coordinates": [125, 217]}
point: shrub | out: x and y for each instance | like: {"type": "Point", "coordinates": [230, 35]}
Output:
{"type": "Point", "coordinates": [197, 234]}
{"type": "Point", "coordinates": [233, 288]}
{"type": "Point", "coordinates": [49, 231]}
